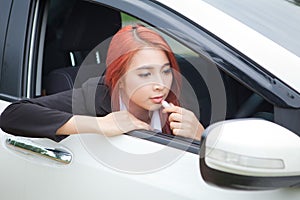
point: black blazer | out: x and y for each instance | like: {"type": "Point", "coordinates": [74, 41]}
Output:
{"type": "Point", "coordinates": [41, 117]}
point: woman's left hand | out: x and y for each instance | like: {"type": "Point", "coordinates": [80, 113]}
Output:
{"type": "Point", "coordinates": [184, 123]}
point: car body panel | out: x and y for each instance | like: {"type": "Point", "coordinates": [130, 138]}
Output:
{"type": "Point", "coordinates": [260, 49]}
{"type": "Point", "coordinates": [87, 178]}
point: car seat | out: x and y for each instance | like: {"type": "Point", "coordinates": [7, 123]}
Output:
{"type": "Point", "coordinates": [85, 28]}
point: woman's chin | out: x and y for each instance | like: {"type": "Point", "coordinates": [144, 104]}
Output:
{"type": "Point", "coordinates": [154, 107]}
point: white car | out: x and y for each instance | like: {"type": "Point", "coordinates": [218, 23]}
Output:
{"type": "Point", "coordinates": [240, 62]}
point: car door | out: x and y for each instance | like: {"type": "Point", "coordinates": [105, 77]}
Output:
{"type": "Point", "coordinates": [138, 164]}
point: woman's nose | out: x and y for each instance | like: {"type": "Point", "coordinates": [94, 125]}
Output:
{"type": "Point", "coordinates": [158, 83]}
{"type": "Point", "coordinates": [158, 86]}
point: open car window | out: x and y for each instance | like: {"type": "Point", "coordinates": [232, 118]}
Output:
{"type": "Point", "coordinates": [209, 92]}
{"type": "Point", "coordinates": [202, 79]}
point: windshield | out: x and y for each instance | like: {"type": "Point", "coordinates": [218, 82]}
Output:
{"type": "Point", "coordinates": [276, 19]}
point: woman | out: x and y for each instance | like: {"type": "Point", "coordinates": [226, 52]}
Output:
{"type": "Point", "coordinates": [141, 72]}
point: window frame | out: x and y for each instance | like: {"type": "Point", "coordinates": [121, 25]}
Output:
{"type": "Point", "coordinates": [227, 58]}
{"type": "Point", "coordinates": [5, 7]}
{"type": "Point", "coordinates": [13, 54]}
{"type": "Point", "coordinates": [20, 55]}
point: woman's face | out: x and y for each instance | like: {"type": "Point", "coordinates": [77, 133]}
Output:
{"type": "Point", "coordinates": [147, 81]}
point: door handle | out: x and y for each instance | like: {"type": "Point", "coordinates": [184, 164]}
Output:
{"type": "Point", "coordinates": [28, 146]}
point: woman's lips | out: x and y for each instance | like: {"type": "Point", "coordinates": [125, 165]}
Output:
{"type": "Point", "coordinates": [157, 100]}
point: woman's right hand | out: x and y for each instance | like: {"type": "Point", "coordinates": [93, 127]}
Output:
{"type": "Point", "coordinates": [117, 123]}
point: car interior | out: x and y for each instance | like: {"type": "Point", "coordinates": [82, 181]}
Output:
{"type": "Point", "coordinates": [75, 28]}
{"type": "Point", "coordinates": [69, 39]}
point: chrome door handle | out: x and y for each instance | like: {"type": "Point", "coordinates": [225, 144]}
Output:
{"type": "Point", "coordinates": [25, 145]}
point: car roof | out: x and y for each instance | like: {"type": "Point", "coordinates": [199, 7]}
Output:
{"type": "Point", "coordinates": [272, 56]}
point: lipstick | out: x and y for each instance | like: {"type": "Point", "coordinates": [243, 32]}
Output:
{"type": "Point", "coordinates": [165, 104]}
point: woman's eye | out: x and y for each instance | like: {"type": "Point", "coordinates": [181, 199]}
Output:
{"type": "Point", "coordinates": [167, 71]}
{"type": "Point", "coordinates": [144, 74]}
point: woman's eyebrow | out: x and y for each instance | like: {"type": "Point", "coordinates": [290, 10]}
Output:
{"type": "Point", "coordinates": [165, 65]}
{"type": "Point", "coordinates": [151, 66]}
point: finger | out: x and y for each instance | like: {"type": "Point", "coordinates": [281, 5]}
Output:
{"type": "Point", "coordinates": [172, 109]}
{"type": "Point", "coordinates": [175, 125]}
{"type": "Point", "coordinates": [175, 117]}
{"type": "Point", "coordinates": [178, 132]}
{"type": "Point", "coordinates": [184, 133]}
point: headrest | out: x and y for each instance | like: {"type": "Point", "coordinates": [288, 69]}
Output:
{"type": "Point", "coordinates": [88, 25]}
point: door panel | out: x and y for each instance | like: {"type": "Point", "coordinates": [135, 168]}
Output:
{"type": "Point", "coordinates": [87, 178]}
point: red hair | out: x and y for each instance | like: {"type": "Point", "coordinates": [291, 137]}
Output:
{"type": "Point", "coordinates": [123, 46]}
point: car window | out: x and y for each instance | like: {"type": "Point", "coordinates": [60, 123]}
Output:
{"type": "Point", "coordinates": [177, 47]}
{"type": "Point", "coordinates": [73, 29]}
{"type": "Point", "coordinates": [71, 40]}
{"type": "Point", "coordinates": [64, 54]}
{"type": "Point", "coordinates": [77, 35]}
{"type": "Point", "coordinates": [198, 72]}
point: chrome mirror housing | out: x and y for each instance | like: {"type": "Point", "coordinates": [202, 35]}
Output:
{"type": "Point", "coordinates": [250, 154]}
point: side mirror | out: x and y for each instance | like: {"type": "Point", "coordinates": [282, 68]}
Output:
{"type": "Point", "coordinates": [250, 154]}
